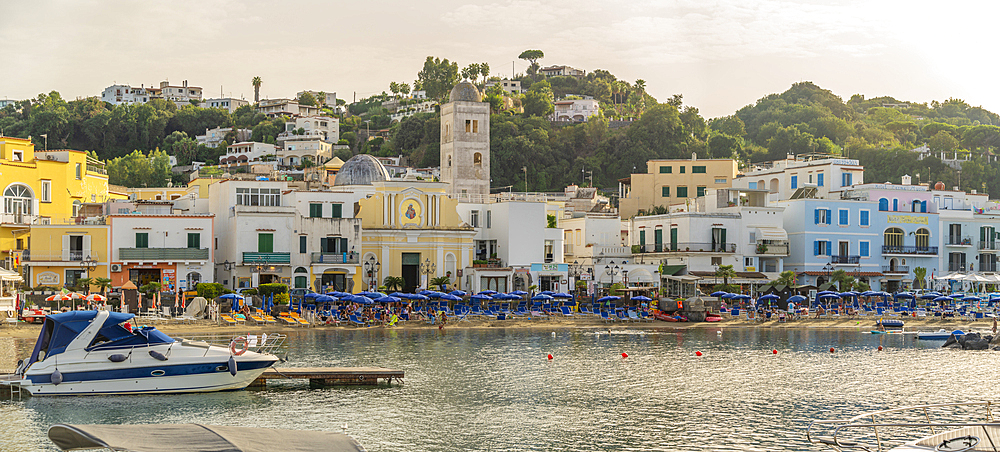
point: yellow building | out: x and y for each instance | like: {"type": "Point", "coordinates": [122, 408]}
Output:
{"type": "Point", "coordinates": [156, 193]}
{"type": "Point", "coordinates": [412, 228]}
{"type": "Point", "coordinates": [58, 255]}
{"type": "Point", "coordinates": [669, 182]}
{"type": "Point", "coordinates": [44, 187]}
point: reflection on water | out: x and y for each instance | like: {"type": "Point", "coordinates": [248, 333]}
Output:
{"type": "Point", "coordinates": [495, 389]}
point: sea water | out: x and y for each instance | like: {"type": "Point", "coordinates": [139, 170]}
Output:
{"type": "Point", "coordinates": [496, 390]}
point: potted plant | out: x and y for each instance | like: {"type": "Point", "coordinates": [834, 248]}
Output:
{"type": "Point", "coordinates": [761, 248]}
{"type": "Point", "coordinates": [478, 263]}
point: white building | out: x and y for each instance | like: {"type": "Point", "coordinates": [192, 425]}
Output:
{"type": "Point", "coordinates": [828, 176]}
{"type": "Point", "coordinates": [322, 128]}
{"type": "Point", "coordinates": [247, 152]}
{"type": "Point", "coordinates": [213, 137]}
{"type": "Point", "coordinates": [295, 152]}
{"type": "Point", "coordinates": [596, 245]}
{"type": "Point", "coordinates": [323, 97]}
{"type": "Point", "coordinates": [175, 250]}
{"type": "Point", "coordinates": [575, 109]}
{"type": "Point", "coordinates": [553, 71]}
{"type": "Point", "coordinates": [5, 102]}
{"type": "Point", "coordinates": [123, 94]}
{"type": "Point", "coordinates": [229, 104]}
{"type": "Point", "coordinates": [181, 95]}
{"type": "Point", "coordinates": [286, 107]}
{"type": "Point", "coordinates": [329, 240]}
{"type": "Point", "coordinates": [510, 86]}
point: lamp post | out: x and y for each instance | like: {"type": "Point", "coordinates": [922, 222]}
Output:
{"type": "Point", "coordinates": [372, 266]}
{"type": "Point", "coordinates": [828, 268]}
{"type": "Point", "coordinates": [612, 270]}
{"type": "Point", "coordinates": [88, 264]}
{"type": "Point", "coordinates": [427, 268]}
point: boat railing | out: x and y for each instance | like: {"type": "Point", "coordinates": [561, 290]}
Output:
{"type": "Point", "coordinates": [887, 434]}
{"type": "Point", "coordinates": [267, 343]}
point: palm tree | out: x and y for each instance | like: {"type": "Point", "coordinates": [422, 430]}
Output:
{"type": "Point", "coordinates": [786, 278]}
{"type": "Point", "coordinates": [393, 282]}
{"type": "Point", "coordinates": [440, 281]}
{"type": "Point", "coordinates": [256, 89]}
{"type": "Point", "coordinates": [103, 284]}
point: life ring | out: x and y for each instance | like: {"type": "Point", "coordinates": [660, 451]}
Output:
{"type": "Point", "coordinates": [10, 313]}
{"type": "Point", "coordinates": [239, 351]}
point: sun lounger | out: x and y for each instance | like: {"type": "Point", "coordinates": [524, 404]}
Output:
{"type": "Point", "coordinates": [566, 312]}
{"type": "Point", "coordinates": [227, 320]}
{"type": "Point", "coordinates": [355, 321]}
{"type": "Point", "coordinates": [607, 317]}
{"type": "Point", "coordinates": [633, 316]}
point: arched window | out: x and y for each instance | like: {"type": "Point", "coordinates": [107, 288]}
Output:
{"type": "Point", "coordinates": [893, 239]}
{"type": "Point", "coordinates": [883, 204]}
{"type": "Point", "coordinates": [774, 185]}
{"type": "Point", "coordinates": [477, 159]}
{"type": "Point", "coordinates": [193, 279]}
{"type": "Point", "coordinates": [449, 161]}
{"type": "Point", "coordinates": [301, 270]}
{"type": "Point", "coordinates": [18, 200]}
{"type": "Point", "coordinates": [923, 239]}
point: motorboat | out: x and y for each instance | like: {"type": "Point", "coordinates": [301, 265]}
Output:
{"type": "Point", "coordinates": [173, 437]}
{"type": "Point", "coordinates": [890, 323]}
{"type": "Point", "coordinates": [950, 427]}
{"type": "Point", "coordinates": [939, 335]}
{"type": "Point", "coordinates": [99, 352]}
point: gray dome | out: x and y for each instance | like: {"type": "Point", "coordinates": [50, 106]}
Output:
{"type": "Point", "coordinates": [362, 169]}
{"type": "Point", "coordinates": [465, 92]}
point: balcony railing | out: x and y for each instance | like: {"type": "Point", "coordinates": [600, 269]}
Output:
{"type": "Point", "coordinates": [895, 269]}
{"type": "Point", "coordinates": [848, 260]}
{"type": "Point", "coordinates": [955, 240]}
{"type": "Point", "coordinates": [14, 218]}
{"type": "Point", "coordinates": [71, 256]}
{"type": "Point", "coordinates": [918, 250]}
{"type": "Point", "coordinates": [334, 258]}
{"type": "Point", "coordinates": [267, 258]}
{"type": "Point", "coordinates": [775, 247]}
{"type": "Point", "coordinates": [688, 247]}
{"type": "Point", "coordinates": [163, 254]}
{"type": "Point", "coordinates": [989, 245]}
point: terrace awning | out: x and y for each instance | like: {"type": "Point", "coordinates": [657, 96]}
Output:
{"type": "Point", "coordinates": [768, 233]}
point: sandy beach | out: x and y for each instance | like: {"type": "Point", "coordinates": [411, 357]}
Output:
{"type": "Point", "coordinates": [23, 330]}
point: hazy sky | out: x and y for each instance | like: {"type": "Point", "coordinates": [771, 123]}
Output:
{"type": "Point", "coordinates": [721, 55]}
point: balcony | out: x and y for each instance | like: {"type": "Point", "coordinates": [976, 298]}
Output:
{"type": "Point", "coordinates": [18, 218]}
{"type": "Point", "coordinates": [955, 240]}
{"type": "Point", "coordinates": [910, 250]}
{"type": "Point", "coordinates": [772, 247]}
{"type": "Point", "coordinates": [267, 258]}
{"type": "Point", "coordinates": [162, 254]}
{"type": "Point", "coordinates": [895, 269]}
{"type": "Point", "coordinates": [989, 245]}
{"type": "Point", "coordinates": [845, 260]}
{"type": "Point", "coordinates": [688, 247]}
{"type": "Point", "coordinates": [956, 267]}
{"type": "Point", "coordinates": [71, 256]}
{"type": "Point", "coordinates": [331, 258]}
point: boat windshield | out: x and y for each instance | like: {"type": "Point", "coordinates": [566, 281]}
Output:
{"type": "Point", "coordinates": [118, 336]}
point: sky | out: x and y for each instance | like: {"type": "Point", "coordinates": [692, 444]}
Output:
{"type": "Point", "coordinates": [719, 54]}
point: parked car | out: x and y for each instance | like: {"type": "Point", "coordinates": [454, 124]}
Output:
{"type": "Point", "coordinates": [298, 293]}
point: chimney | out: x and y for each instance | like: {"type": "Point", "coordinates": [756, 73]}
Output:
{"type": "Point", "coordinates": [694, 156]}
{"type": "Point", "coordinates": [906, 179]}
{"type": "Point", "coordinates": [185, 83]}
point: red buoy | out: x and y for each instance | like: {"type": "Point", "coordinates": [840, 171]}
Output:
{"type": "Point", "coordinates": [879, 348]}
{"type": "Point", "coordinates": [832, 350]}
{"type": "Point", "coordinates": [774, 352]}
{"type": "Point", "coordinates": [550, 357]}
{"type": "Point", "coordinates": [697, 353]}
{"type": "Point", "coordinates": [624, 355]}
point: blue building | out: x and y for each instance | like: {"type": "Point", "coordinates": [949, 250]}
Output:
{"type": "Point", "coordinates": [826, 235]}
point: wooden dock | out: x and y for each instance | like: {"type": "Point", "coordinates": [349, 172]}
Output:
{"type": "Point", "coordinates": [331, 376]}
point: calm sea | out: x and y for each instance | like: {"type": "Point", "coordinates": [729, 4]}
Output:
{"type": "Point", "coordinates": [494, 390]}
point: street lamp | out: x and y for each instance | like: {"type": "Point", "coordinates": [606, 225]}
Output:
{"type": "Point", "coordinates": [612, 270]}
{"type": "Point", "coordinates": [228, 265]}
{"type": "Point", "coordinates": [828, 268]}
{"type": "Point", "coordinates": [372, 266]}
{"type": "Point", "coordinates": [428, 268]}
{"type": "Point", "coordinates": [88, 264]}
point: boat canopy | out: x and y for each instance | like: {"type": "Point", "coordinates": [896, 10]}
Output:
{"type": "Point", "coordinates": [59, 331]}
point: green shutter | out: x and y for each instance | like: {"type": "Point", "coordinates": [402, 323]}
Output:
{"type": "Point", "coordinates": [337, 210]}
{"type": "Point", "coordinates": [701, 191]}
{"type": "Point", "coordinates": [698, 169]}
{"type": "Point", "coordinates": [642, 237]}
{"type": "Point", "coordinates": [302, 244]}
{"type": "Point", "coordinates": [682, 169]}
{"type": "Point", "coordinates": [265, 243]}
{"type": "Point", "coordinates": [142, 240]}
{"type": "Point", "coordinates": [658, 237]}
{"type": "Point", "coordinates": [315, 210]}
{"type": "Point", "coordinates": [194, 240]}
{"type": "Point", "coordinates": [723, 236]}
{"type": "Point", "coordinates": [665, 192]}
{"type": "Point", "coordinates": [682, 192]}
{"type": "Point", "coordinates": [666, 169]}
{"type": "Point", "coordinates": [673, 239]}
{"type": "Point", "coordinates": [343, 245]}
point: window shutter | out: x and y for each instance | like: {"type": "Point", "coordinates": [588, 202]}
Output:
{"type": "Point", "coordinates": [302, 244]}
{"type": "Point", "coordinates": [829, 216]}
{"type": "Point", "coordinates": [816, 215]}
{"type": "Point", "coordinates": [343, 245]}
{"type": "Point", "coordinates": [723, 238]}
{"type": "Point", "coordinates": [864, 249]}
{"type": "Point", "coordinates": [829, 247]}
{"type": "Point", "coordinates": [86, 248]}
{"type": "Point", "coordinates": [816, 248]}
{"type": "Point", "coordinates": [337, 210]}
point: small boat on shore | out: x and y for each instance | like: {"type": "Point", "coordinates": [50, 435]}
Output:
{"type": "Point", "coordinates": [890, 323]}
{"type": "Point", "coordinates": [944, 427]}
{"type": "Point", "coordinates": [939, 335]}
{"type": "Point", "coordinates": [99, 352]}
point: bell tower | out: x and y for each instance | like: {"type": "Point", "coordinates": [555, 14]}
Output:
{"type": "Point", "coordinates": [465, 144]}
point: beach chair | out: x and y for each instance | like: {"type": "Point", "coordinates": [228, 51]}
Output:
{"type": "Point", "coordinates": [607, 317]}
{"type": "Point", "coordinates": [620, 313]}
{"type": "Point", "coordinates": [734, 313]}
{"type": "Point", "coordinates": [355, 321]}
{"type": "Point", "coordinates": [522, 310]}
{"type": "Point", "coordinates": [229, 321]}
{"type": "Point", "coordinates": [921, 312]}
{"type": "Point", "coordinates": [633, 316]}
{"type": "Point", "coordinates": [287, 319]}
{"type": "Point", "coordinates": [782, 317]}
{"type": "Point", "coordinates": [303, 322]}
{"type": "Point", "coordinates": [584, 310]}
{"type": "Point", "coordinates": [566, 312]}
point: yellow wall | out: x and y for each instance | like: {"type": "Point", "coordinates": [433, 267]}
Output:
{"type": "Point", "coordinates": [150, 194]}
{"type": "Point", "coordinates": [92, 186]}
{"type": "Point", "coordinates": [647, 189]}
{"type": "Point", "coordinates": [46, 252]}
{"type": "Point", "coordinates": [201, 184]}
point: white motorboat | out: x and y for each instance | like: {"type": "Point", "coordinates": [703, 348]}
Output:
{"type": "Point", "coordinates": [952, 427]}
{"type": "Point", "coordinates": [97, 352]}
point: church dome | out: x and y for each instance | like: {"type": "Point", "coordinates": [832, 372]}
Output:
{"type": "Point", "coordinates": [939, 186]}
{"type": "Point", "coordinates": [362, 169]}
{"type": "Point", "coordinates": [465, 92]}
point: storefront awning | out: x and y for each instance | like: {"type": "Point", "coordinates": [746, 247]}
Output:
{"type": "Point", "coordinates": [686, 278]}
{"type": "Point", "coordinates": [772, 234]}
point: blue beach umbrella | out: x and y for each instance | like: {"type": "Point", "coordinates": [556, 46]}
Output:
{"type": "Point", "coordinates": [426, 292]}
{"type": "Point", "coordinates": [728, 296]}
{"type": "Point", "coordinates": [561, 295]}
{"type": "Point", "coordinates": [270, 304]}
{"type": "Point", "coordinates": [971, 298]}
{"type": "Point", "coordinates": [542, 297]}
{"type": "Point", "coordinates": [719, 293]}
{"type": "Point", "coordinates": [489, 292]}
{"type": "Point", "coordinates": [769, 297]}
{"type": "Point", "coordinates": [942, 299]}
{"type": "Point", "coordinates": [827, 292]}
{"type": "Point", "coordinates": [399, 295]}
{"type": "Point", "coordinates": [458, 293]}
{"type": "Point", "coordinates": [388, 299]}
{"type": "Point", "coordinates": [432, 294]}
{"type": "Point", "coordinates": [417, 296]}
{"type": "Point", "coordinates": [451, 297]}
{"type": "Point", "coordinates": [547, 292]}
{"type": "Point", "coordinates": [602, 299]}
{"type": "Point", "coordinates": [642, 298]}
{"type": "Point", "coordinates": [481, 297]}
{"type": "Point", "coordinates": [828, 296]}
{"type": "Point", "coordinates": [324, 299]}
{"type": "Point", "coordinates": [361, 299]}
{"type": "Point", "coordinates": [520, 293]}
{"type": "Point", "coordinates": [796, 299]}
{"type": "Point", "coordinates": [741, 297]}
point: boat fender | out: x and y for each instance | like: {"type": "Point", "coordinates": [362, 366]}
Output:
{"type": "Point", "coordinates": [232, 366]}
{"type": "Point", "coordinates": [117, 358]}
{"type": "Point", "coordinates": [56, 377]}
{"type": "Point", "coordinates": [157, 355]}
{"type": "Point", "coordinates": [243, 345]}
